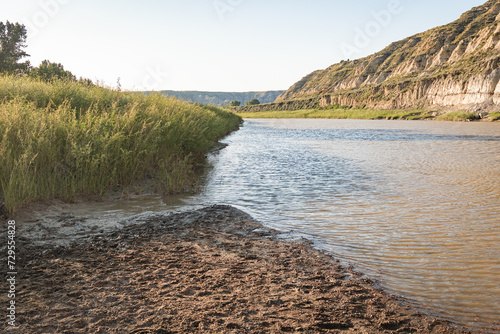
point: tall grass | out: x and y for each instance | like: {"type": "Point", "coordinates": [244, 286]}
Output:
{"type": "Point", "coordinates": [66, 139]}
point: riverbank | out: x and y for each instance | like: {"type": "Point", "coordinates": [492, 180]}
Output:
{"type": "Point", "coordinates": [213, 270]}
{"type": "Point", "coordinates": [64, 140]}
{"type": "Point", "coordinates": [347, 112]}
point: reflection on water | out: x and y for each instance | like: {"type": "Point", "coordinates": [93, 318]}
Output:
{"type": "Point", "coordinates": [414, 204]}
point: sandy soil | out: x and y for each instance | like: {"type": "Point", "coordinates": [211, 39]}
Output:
{"type": "Point", "coordinates": [213, 270]}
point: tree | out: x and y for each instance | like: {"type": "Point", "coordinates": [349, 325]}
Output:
{"type": "Point", "coordinates": [12, 39]}
{"type": "Point", "coordinates": [48, 71]}
{"type": "Point", "coordinates": [252, 102]}
{"type": "Point", "coordinates": [235, 103]}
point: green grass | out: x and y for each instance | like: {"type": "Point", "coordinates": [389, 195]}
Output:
{"type": "Point", "coordinates": [340, 113]}
{"type": "Point", "coordinates": [495, 116]}
{"type": "Point", "coordinates": [457, 116]}
{"type": "Point", "coordinates": [65, 140]}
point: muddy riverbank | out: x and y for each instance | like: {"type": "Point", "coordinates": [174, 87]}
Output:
{"type": "Point", "coordinates": [213, 270]}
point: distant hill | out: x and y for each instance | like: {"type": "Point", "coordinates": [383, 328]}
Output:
{"type": "Point", "coordinates": [223, 98]}
{"type": "Point", "coordinates": [452, 66]}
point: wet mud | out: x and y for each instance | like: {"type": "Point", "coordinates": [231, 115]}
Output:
{"type": "Point", "coordinates": [213, 270]}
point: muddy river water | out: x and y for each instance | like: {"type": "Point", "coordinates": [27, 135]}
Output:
{"type": "Point", "coordinates": [413, 204]}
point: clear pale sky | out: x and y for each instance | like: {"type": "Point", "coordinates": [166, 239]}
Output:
{"type": "Point", "coordinates": [216, 45]}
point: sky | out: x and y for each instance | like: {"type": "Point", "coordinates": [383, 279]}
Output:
{"type": "Point", "coordinates": [216, 45]}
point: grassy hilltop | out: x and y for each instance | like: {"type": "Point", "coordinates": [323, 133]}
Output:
{"type": "Point", "coordinates": [67, 139]}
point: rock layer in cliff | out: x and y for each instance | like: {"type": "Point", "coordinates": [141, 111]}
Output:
{"type": "Point", "coordinates": [455, 65]}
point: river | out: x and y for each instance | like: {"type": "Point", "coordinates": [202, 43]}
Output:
{"type": "Point", "coordinates": [413, 204]}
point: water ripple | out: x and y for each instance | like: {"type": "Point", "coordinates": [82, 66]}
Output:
{"type": "Point", "coordinates": [416, 205]}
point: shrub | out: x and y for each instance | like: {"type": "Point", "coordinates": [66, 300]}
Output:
{"type": "Point", "coordinates": [48, 71]}
{"type": "Point", "coordinates": [252, 102]}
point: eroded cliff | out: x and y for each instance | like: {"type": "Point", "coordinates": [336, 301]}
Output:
{"type": "Point", "coordinates": [451, 66]}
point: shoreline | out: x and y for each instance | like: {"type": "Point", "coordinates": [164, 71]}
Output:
{"type": "Point", "coordinates": [211, 270]}
{"type": "Point", "coordinates": [367, 114]}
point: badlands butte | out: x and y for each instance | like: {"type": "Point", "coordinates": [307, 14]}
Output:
{"type": "Point", "coordinates": [451, 67]}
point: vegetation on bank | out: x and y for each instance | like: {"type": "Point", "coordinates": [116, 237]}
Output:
{"type": "Point", "coordinates": [64, 139]}
{"type": "Point", "coordinates": [348, 112]}
{"type": "Point", "coordinates": [341, 113]}
{"type": "Point", "coordinates": [457, 116]}
{"type": "Point", "coordinates": [494, 116]}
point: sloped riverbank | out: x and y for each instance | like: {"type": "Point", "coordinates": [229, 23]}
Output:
{"type": "Point", "coordinates": [213, 270]}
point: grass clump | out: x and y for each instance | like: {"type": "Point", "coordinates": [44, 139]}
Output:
{"type": "Point", "coordinates": [66, 139]}
{"type": "Point", "coordinates": [494, 116]}
{"type": "Point", "coordinates": [457, 116]}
